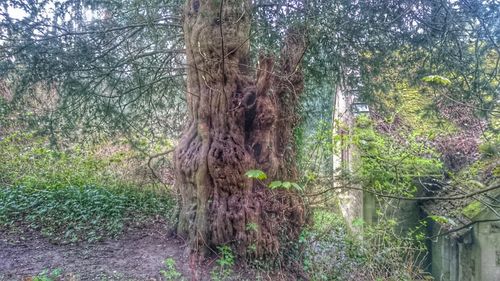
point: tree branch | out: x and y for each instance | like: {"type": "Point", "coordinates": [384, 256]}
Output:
{"type": "Point", "coordinates": [462, 227]}
{"type": "Point", "coordinates": [156, 156]}
{"type": "Point", "coordinates": [443, 198]}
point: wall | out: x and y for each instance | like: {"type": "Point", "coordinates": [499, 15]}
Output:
{"type": "Point", "coordinates": [350, 201]}
{"type": "Point", "coordinates": [487, 239]}
{"type": "Point", "coordinates": [472, 256]}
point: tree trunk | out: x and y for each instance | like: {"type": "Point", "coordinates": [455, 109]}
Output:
{"type": "Point", "coordinates": [239, 120]}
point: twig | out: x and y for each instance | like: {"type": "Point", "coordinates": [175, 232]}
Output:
{"type": "Point", "coordinates": [156, 156]}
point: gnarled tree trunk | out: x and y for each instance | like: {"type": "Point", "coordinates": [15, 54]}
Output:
{"type": "Point", "coordinates": [240, 119]}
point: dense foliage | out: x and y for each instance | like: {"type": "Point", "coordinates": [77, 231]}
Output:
{"type": "Point", "coordinates": [388, 166]}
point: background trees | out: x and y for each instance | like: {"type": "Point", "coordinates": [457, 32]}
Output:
{"type": "Point", "coordinates": [110, 65]}
{"type": "Point", "coordinates": [133, 51]}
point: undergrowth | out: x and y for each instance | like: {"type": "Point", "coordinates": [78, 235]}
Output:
{"type": "Point", "coordinates": [332, 252]}
{"type": "Point", "coordinates": [70, 196]}
{"type": "Point", "coordinates": [71, 214]}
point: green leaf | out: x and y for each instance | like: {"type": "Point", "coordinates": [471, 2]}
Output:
{"type": "Point", "coordinates": [439, 219]}
{"type": "Point", "coordinates": [286, 184]}
{"type": "Point", "coordinates": [256, 174]}
{"type": "Point", "coordinates": [358, 222]}
{"type": "Point", "coordinates": [275, 184]}
{"type": "Point", "coordinates": [436, 79]}
{"type": "Point", "coordinates": [297, 187]}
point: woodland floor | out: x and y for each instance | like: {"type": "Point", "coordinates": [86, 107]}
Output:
{"type": "Point", "coordinates": [137, 255]}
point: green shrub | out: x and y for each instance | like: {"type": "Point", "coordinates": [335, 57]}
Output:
{"type": "Point", "coordinates": [71, 214]}
{"type": "Point", "coordinates": [391, 255]}
{"type": "Point", "coordinates": [330, 251]}
{"type": "Point", "coordinates": [170, 272]}
{"type": "Point", "coordinates": [390, 166]}
{"type": "Point", "coordinates": [69, 196]}
{"type": "Point", "coordinates": [27, 160]}
{"type": "Point", "coordinates": [225, 264]}
{"type": "Point", "coordinates": [333, 253]}
{"type": "Point", "coordinates": [490, 149]}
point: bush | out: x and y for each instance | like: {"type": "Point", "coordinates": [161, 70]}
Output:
{"type": "Point", "coordinates": [390, 166]}
{"type": "Point", "coordinates": [332, 253]}
{"type": "Point", "coordinates": [28, 161]}
{"type": "Point", "coordinates": [70, 196]}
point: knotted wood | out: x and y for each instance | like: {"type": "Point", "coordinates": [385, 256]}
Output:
{"type": "Point", "coordinates": [240, 118]}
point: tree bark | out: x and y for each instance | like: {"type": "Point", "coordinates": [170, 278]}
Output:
{"type": "Point", "coordinates": [239, 119]}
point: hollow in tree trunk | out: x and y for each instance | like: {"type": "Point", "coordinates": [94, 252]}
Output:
{"type": "Point", "coordinates": [239, 119]}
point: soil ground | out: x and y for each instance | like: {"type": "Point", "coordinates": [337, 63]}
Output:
{"type": "Point", "coordinates": [137, 255]}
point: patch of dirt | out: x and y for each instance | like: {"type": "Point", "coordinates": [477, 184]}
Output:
{"type": "Point", "coordinates": [137, 255]}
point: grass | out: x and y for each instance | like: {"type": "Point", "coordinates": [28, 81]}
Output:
{"type": "Point", "coordinates": [70, 196]}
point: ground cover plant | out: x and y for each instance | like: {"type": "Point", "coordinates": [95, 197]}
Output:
{"type": "Point", "coordinates": [382, 253]}
{"type": "Point", "coordinates": [72, 195]}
